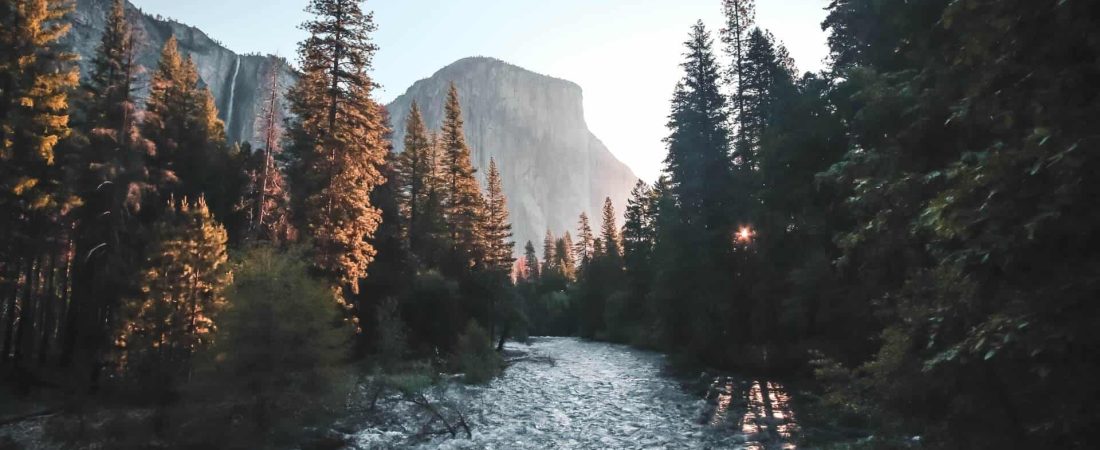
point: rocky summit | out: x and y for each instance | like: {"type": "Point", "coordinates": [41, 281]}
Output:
{"type": "Point", "coordinates": [553, 167]}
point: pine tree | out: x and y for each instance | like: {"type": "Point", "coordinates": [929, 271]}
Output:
{"type": "Point", "coordinates": [766, 77]}
{"type": "Point", "coordinates": [697, 158]}
{"type": "Point", "coordinates": [266, 202]}
{"type": "Point", "coordinates": [740, 15]}
{"type": "Point", "coordinates": [393, 269]}
{"type": "Point", "coordinates": [463, 202]}
{"type": "Point", "coordinates": [276, 360]}
{"type": "Point", "coordinates": [584, 249]}
{"type": "Point", "coordinates": [530, 263]}
{"type": "Point", "coordinates": [609, 233]}
{"type": "Point", "coordinates": [701, 180]}
{"type": "Point", "coordinates": [36, 77]}
{"type": "Point", "coordinates": [549, 257]}
{"type": "Point", "coordinates": [638, 233]}
{"type": "Point", "coordinates": [415, 169]}
{"type": "Point", "coordinates": [164, 122]}
{"type": "Point", "coordinates": [267, 199]}
{"type": "Point", "coordinates": [181, 120]}
{"type": "Point", "coordinates": [496, 229]}
{"type": "Point", "coordinates": [434, 235]}
{"type": "Point", "coordinates": [181, 285]}
{"type": "Point", "coordinates": [639, 236]}
{"type": "Point", "coordinates": [337, 139]}
{"type": "Point", "coordinates": [114, 183]}
{"type": "Point", "coordinates": [566, 261]}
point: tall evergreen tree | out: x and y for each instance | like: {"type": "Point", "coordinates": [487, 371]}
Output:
{"type": "Point", "coordinates": [113, 181]}
{"type": "Point", "coordinates": [740, 15]}
{"type": "Point", "coordinates": [337, 139]}
{"type": "Point", "coordinates": [392, 270]}
{"type": "Point", "coordinates": [609, 232]}
{"type": "Point", "coordinates": [422, 192]}
{"type": "Point", "coordinates": [181, 121]}
{"type": "Point", "coordinates": [530, 263]}
{"type": "Point", "coordinates": [637, 234]}
{"type": "Point", "coordinates": [698, 144]}
{"type": "Point", "coordinates": [563, 261]}
{"type": "Point", "coordinates": [415, 168]}
{"type": "Point", "coordinates": [36, 77]}
{"type": "Point", "coordinates": [767, 77]}
{"type": "Point", "coordinates": [165, 122]}
{"type": "Point", "coordinates": [181, 286]}
{"type": "Point", "coordinates": [266, 202]}
{"type": "Point", "coordinates": [463, 204]}
{"type": "Point", "coordinates": [700, 178]}
{"type": "Point", "coordinates": [267, 197]}
{"type": "Point", "coordinates": [583, 250]}
{"type": "Point", "coordinates": [566, 261]}
{"type": "Point", "coordinates": [496, 228]}
{"type": "Point", "coordinates": [549, 258]}
{"type": "Point", "coordinates": [639, 237]}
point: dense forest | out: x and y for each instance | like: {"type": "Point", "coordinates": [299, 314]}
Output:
{"type": "Point", "coordinates": [909, 229]}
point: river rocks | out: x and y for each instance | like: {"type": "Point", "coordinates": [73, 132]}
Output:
{"type": "Point", "coordinates": [553, 167]}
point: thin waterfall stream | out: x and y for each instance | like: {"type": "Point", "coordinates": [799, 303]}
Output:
{"type": "Point", "coordinates": [232, 94]}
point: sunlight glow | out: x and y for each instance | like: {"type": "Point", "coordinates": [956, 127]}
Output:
{"type": "Point", "coordinates": [744, 235]}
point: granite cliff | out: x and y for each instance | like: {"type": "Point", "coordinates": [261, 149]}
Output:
{"type": "Point", "coordinates": [552, 166]}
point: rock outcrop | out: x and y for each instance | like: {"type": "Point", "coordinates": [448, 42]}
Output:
{"type": "Point", "coordinates": [552, 166]}
{"type": "Point", "coordinates": [239, 82]}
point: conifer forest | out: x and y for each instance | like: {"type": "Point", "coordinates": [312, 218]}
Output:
{"type": "Point", "coordinates": [894, 252]}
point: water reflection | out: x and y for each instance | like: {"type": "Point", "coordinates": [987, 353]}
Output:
{"type": "Point", "coordinates": [759, 410]}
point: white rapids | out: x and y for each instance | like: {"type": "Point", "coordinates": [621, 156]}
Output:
{"type": "Point", "coordinates": [573, 394]}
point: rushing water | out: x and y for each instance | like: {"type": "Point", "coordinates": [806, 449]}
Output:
{"type": "Point", "coordinates": [569, 393]}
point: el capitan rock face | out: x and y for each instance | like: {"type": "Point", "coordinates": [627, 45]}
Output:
{"type": "Point", "coordinates": [239, 82]}
{"type": "Point", "coordinates": [552, 166]}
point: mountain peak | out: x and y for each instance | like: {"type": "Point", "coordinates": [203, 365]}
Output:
{"type": "Point", "coordinates": [553, 167]}
{"type": "Point", "coordinates": [490, 63]}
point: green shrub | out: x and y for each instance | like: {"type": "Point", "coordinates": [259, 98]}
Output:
{"type": "Point", "coordinates": [391, 335]}
{"type": "Point", "coordinates": [474, 355]}
{"type": "Point", "coordinates": [429, 310]}
{"type": "Point", "coordinates": [277, 364]}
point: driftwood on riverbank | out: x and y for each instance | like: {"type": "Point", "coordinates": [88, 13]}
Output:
{"type": "Point", "coordinates": [5, 421]}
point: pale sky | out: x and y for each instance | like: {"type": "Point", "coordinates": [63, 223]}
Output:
{"type": "Point", "coordinates": [624, 54]}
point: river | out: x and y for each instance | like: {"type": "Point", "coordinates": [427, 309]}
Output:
{"type": "Point", "coordinates": [571, 393]}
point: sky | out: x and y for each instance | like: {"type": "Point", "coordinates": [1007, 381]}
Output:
{"type": "Point", "coordinates": [625, 54]}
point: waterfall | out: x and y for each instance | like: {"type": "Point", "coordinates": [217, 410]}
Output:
{"type": "Point", "coordinates": [232, 93]}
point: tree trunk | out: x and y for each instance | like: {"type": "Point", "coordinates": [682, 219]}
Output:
{"type": "Point", "coordinates": [49, 301]}
{"type": "Point", "coordinates": [66, 303]}
{"type": "Point", "coordinates": [24, 337]}
{"type": "Point", "coordinates": [9, 327]}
